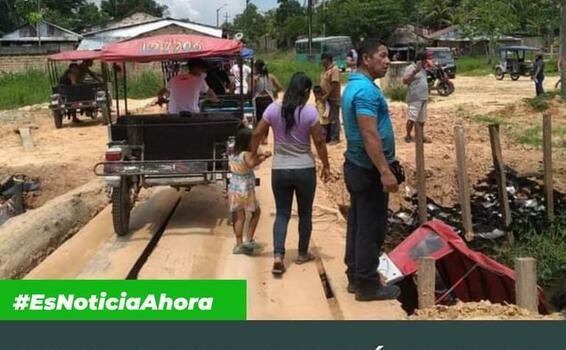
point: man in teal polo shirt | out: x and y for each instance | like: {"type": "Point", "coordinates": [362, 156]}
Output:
{"type": "Point", "coordinates": [370, 150]}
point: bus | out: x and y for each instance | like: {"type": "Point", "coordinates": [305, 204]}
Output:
{"type": "Point", "coordinates": [337, 46]}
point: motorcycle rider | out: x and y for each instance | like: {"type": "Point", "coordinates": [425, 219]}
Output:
{"type": "Point", "coordinates": [415, 78]}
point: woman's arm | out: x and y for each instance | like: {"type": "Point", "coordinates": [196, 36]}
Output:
{"type": "Point", "coordinates": [276, 83]}
{"type": "Point", "coordinates": [320, 144]}
{"type": "Point", "coordinates": [252, 160]}
{"type": "Point", "coordinates": [259, 134]}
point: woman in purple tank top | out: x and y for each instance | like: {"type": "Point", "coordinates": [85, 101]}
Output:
{"type": "Point", "coordinates": [294, 125]}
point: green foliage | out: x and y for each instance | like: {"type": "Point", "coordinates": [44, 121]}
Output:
{"type": "Point", "coordinates": [22, 89]}
{"type": "Point", "coordinates": [144, 84]}
{"type": "Point", "coordinates": [473, 66]}
{"type": "Point", "coordinates": [365, 18]}
{"type": "Point", "coordinates": [538, 103]}
{"type": "Point", "coordinates": [251, 23]}
{"type": "Point", "coordinates": [438, 14]}
{"type": "Point", "coordinates": [533, 137]}
{"type": "Point", "coordinates": [284, 65]}
{"type": "Point", "coordinates": [397, 93]}
{"type": "Point", "coordinates": [548, 247]}
{"type": "Point", "coordinates": [488, 119]}
{"type": "Point", "coordinates": [492, 18]}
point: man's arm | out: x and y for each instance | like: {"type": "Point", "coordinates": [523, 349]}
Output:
{"type": "Point", "coordinates": [335, 85]}
{"type": "Point", "coordinates": [320, 145]}
{"type": "Point", "coordinates": [409, 77]}
{"type": "Point", "coordinates": [374, 149]}
{"type": "Point", "coordinates": [93, 75]}
{"type": "Point", "coordinates": [212, 96]}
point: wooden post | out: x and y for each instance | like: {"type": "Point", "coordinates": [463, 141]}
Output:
{"type": "Point", "coordinates": [426, 282]}
{"type": "Point", "coordinates": [548, 182]}
{"type": "Point", "coordinates": [526, 284]}
{"type": "Point", "coordinates": [421, 175]}
{"type": "Point", "coordinates": [562, 57]}
{"type": "Point", "coordinates": [27, 141]}
{"type": "Point", "coordinates": [501, 180]}
{"type": "Point", "coordinates": [463, 183]}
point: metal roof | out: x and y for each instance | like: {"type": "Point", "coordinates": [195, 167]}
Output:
{"type": "Point", "coordinates": [96, 40]}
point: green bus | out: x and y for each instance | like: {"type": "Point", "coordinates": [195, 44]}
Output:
{"type": "Point", "coordinates": [337, 46]}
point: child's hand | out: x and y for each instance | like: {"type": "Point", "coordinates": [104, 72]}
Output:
{"type": "Point", "coordinates": [267, 154]}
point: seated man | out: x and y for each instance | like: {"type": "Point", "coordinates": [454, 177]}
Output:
{"type": "Point", "coordinates": [70, 77]}
{"type": "Point", "coordinates": [185, 88]}
{"type": "Point", "coordinates": [217, 79]}
{"type": "Point", "coordinates": [84, 70]}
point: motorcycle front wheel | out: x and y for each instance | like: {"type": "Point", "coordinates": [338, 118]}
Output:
{"type": "Point", "coordinates": [445, 88]}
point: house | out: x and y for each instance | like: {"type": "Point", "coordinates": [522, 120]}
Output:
{"type": "Point", "coordinates": [453, 37]}
{"type": "Point", "coordinates": [52, 38]}
{"type": "Point", "coordinates": [142, 25]}
{"type": "Point", "coordinates": [409, 36]}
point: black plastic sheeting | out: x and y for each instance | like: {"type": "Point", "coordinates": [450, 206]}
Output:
{"type": "Point", "coordinates": [526, 200]}
{"type": "Point", "coordinates": [12, 192]}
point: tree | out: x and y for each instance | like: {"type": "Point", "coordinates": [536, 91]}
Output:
{"type": "Point", "coordinates": [251, 23]}
{"type": "Point", "coordinates": [477, 18]}
{"type": "Point", "coordinates": [291, 21]}
{"type": "Point", "coordinates": [8, 18]}
{"type": "Point", "coordinates": [437, 14]}
{"type": "Point", "coordinates": [365, 18]}
{"type": "Point", "coordinates": [118, 9]}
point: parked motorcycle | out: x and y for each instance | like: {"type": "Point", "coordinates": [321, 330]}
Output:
{"type": "Point", "coordinates": [439, 80]}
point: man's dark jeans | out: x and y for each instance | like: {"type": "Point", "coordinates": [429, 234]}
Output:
{"type": "Point", "coordinates": [367, 222]}
{"type": "Point", "coordinates": [334, 117]}
{"type": "Point", "coordinates": [285, 183]}
{"type": "Point", "coordinates": [539, 86]}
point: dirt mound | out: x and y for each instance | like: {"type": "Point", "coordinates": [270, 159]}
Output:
{"type": "Point", "coordinates": [480, 311]}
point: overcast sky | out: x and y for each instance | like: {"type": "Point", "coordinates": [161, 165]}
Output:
{"type": "Point", "coordinates": [204, 11]}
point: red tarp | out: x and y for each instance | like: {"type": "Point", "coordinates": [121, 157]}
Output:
{"type": "Point", "coordinates": [475, 276]}
{"type": "Point", "coordinates": [170, 47]}
{"type": "Point", "coordinates": [75, 55]}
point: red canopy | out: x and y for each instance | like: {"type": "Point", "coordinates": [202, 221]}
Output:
{"type": "Point", "coordinates": [468, 275]}
{"type": "Point", "coordinates": [75, 55]}
{"type": "Point", "coordinates": [170, 47]}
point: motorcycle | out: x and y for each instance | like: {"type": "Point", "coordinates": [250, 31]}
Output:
{"type": "Point", "coordinates": [439, 80]}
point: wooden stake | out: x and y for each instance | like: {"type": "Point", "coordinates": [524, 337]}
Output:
{"type": "Point", "coordinates": [548, 182]}
{"type": "Point", "coordinates": [27, 141]}
{"type": "Point", "coordinates": [421, 175]}
{"type": "Point", "coordinates": [463, 183]}
{"type": "Point", "coordinates": [501, 180]}
{"type": "Point", "coordinates": [526, 284]}
{"type": "Point", "coordinates": [426, 282]}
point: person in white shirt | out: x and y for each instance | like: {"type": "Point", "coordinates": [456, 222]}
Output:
{"type": "Point", "coordinates": [185, 89]}
{"type": "Point", "coordinates": [235, 72]}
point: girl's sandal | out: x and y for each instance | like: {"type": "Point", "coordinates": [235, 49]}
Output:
{"type": "Point", "coordinates": [304, 258]}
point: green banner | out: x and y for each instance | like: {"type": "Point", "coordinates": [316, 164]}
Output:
{"type": "Point", "coordinates": [122, 300]}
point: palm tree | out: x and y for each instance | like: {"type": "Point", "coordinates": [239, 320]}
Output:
{"type": "Point", "coordinates": [438, 13]}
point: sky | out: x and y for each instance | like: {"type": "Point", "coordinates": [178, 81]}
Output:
{"type": "Point", "coordinates": [204, 11]}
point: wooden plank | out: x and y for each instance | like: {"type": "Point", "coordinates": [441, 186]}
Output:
{"type": "Point", "coordinates": [463, 183]}
{"type": "Point", "coordinates": [421, 174]}
{"type": "Point", "coordinates": [198, 242]}
{"type": "Point", "coordinates": [426, 277]}
{"type": "Point", "coordinates": [501, 180]}
{"type": "Point", "coordinates": [27, 141]}
{"type": "Point", "coordinates": [96, 252]}
{"type": "Point", "coordinates": [547, 151]}
{"type": "Point", "coordinates": [526, 284]}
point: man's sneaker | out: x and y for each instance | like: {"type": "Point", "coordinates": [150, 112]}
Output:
{"type": "Point", "coordinates": [351, 288]}
{"type": "Point", "coordinates": [382, 293]}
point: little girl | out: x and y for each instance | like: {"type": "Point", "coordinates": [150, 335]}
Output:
{"type": "Point", "coordinates": [241, 191]}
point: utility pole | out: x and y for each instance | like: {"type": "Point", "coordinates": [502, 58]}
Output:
{"type": "Point", "coordinates": [226, 17]}
{"type": "Point", "coordinates": [562, 58]}
{"type": "Point", "coordinates": [38, 24]}
{"type": "Point", "coordinates": [309, 12]}
{"type": "Point", "coordinates": [217, 14]}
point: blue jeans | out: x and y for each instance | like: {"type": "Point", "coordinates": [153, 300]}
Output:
{"type": "Point", "coordinates": [285, 183]}
{"type": "Point", "coordinates": [367, 223]}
